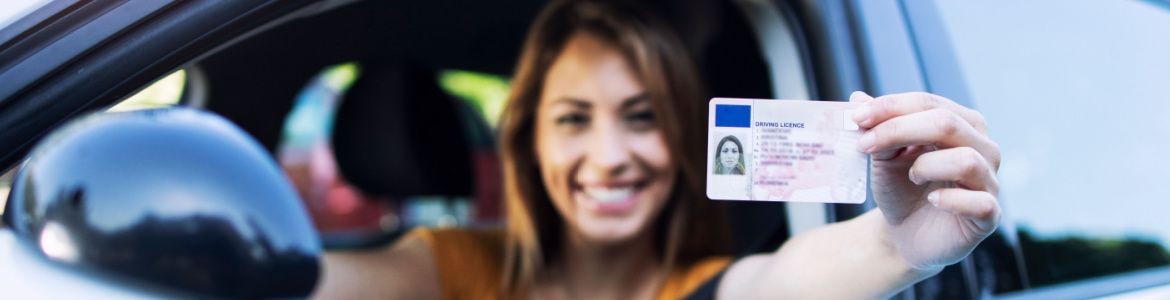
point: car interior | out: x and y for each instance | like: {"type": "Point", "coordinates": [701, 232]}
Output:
{"type": "Point", "coordinates": [393, 130]}
{"type": "Point", "coordinates": [401, 149]}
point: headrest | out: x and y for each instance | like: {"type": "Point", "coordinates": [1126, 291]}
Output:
{"type": "Point", "coordinates": [397, 134]}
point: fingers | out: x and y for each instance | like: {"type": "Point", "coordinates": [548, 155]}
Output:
{"type": "Point", "coordinates": [859, 96]}
{"type": "Point", "coordinates": [963, 165]}
{"type": "Point", "coordinates": [888, 107]}
{"type": "Point", "coordinates": [978, 206]}
{"type": "Point", "coordinates": [938, 127]}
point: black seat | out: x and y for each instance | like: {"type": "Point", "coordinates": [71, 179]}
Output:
{"type": "Point", "coordinates": [397, 134]}
{"type": "Point", "coordinates": [732, 64]}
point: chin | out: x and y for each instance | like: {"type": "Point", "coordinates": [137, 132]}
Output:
{"type": "Point", "coordinates": [608, 230]}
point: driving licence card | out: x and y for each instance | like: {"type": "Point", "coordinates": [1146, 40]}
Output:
{"type": "Point", "coordinates": [784, 150]}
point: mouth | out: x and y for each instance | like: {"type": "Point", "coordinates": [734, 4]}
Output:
{"type": "Point", "coordinates": [613, 198]}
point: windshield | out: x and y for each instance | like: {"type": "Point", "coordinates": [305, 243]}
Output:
{"type": "Point", "coordinates": [12, 10]}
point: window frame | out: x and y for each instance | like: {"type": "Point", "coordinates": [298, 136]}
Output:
{"type": "Point", "coordinates": [54, 74]}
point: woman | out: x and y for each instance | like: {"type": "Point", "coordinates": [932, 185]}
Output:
{"type": "Point", "coordinates": [602, 147]}
{"type": "Point", "coordinates": [729, 156]}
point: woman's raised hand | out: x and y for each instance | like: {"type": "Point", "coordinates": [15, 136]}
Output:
{"type": "Point", "coordinates": [933, 174]}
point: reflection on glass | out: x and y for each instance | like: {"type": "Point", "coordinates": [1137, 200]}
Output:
{"type": "Point", "coordinates": [58, 244]}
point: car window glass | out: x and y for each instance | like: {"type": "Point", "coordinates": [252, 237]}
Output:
{"type": "Point", "coordinates": [1074, 94]}
{"type": "Point", "coordinates": [12, 10]}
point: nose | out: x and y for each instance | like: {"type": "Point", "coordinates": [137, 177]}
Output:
{"type": "Point", "coordinates": [607, 151]}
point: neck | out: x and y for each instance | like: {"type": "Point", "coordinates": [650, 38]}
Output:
{"type": "Point", "coordinates": [629, 270]}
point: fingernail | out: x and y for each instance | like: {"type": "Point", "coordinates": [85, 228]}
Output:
{"type": "Point", "coordinates": [932, 198]}
{"type": "Point", "coordinates": [913, 178]}
{"type": "Point", "coordinates": [865, 143]}
{"type": "Point", "coordinates": [855, 95]}
{"type": "Point", "coordinates": [861, 114]}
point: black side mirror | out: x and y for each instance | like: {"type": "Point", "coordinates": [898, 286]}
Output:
{"type": "Point", "coordinates": [172, 199]}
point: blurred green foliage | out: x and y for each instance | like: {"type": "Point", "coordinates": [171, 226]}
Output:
{"type": "Point", "coordinates": [487, 93]}
{"type": "Point", "coordinates": [165, 92]}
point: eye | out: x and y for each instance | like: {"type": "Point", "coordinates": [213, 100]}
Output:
{"type": "Point", "coordinates": [641, 120]}
{"type": "Point", "coordinates": [573, 119]}
{"type": "Point", "coordinates": [734, 151]}
{"type": "Point", "coordinates": [725, 150]}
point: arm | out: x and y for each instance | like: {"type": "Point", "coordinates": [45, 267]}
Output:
{"type": "Point", "coordinates": [853, 259]}
{"type": "Point", "coordinates": [933, 180]}
{"type": "Point", "coordinates": [405, 270]}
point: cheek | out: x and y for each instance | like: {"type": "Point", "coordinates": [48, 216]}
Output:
{"type": "Point", "coordinates": [555, 157]}
{"type": "Point", "coordinates": [651, 148]}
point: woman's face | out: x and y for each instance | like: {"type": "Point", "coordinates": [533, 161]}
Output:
{"type": "Point", "coordinates": [729, 155]}
{"type": "Point", "coordinates": [602, 158]}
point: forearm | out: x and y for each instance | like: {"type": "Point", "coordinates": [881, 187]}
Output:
{"type": "Point", "coordinates": [847, 260]}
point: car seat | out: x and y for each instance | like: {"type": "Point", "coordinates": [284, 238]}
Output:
{"type": "Point", "coordinates": [732, 65]}
{"type": "Point", "coordinates": [397, 135]}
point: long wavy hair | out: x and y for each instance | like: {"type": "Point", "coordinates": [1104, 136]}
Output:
{"type": "Point", "coordinates": [691, 227]}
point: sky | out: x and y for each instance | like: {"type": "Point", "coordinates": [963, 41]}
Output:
{"type": "Point", "coordinates": [1076, 94]}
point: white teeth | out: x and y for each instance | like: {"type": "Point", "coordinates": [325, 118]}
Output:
{"type": "Point", "coordinates": [608, 195]}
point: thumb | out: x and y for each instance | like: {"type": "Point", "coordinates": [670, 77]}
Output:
{"type": "Point", "coordinates": [859, 96]}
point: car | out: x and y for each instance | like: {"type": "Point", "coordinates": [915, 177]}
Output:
{"type": "Point", "coordinates": [280, 70]}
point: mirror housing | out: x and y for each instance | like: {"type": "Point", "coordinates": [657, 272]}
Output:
{"type": "Point", "coordinates": [178, 199]}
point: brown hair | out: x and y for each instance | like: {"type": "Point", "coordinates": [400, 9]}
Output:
{"type": "Point", "coordinates": [667, 72]}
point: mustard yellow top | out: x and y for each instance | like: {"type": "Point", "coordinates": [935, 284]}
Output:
{"type": "Point", "coordinates": [470, 263]}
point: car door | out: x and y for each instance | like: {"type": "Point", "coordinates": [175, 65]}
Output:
{"type": "Point", "coordinates": [63, 58]}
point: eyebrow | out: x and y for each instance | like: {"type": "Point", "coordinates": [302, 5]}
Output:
{"type": "Point", "coordinates": [626, 103]}
{"type": "Point", "coordinates": [636, 99]}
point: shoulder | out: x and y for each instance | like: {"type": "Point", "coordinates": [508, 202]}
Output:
{"type": "Point", "coordinates": [469, 262]}
{"type": "Point", "coordinates": [475, 242]}
{"type": "Point", "coordinates": [685, 280]}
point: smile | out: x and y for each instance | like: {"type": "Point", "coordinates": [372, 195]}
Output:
{"type": "Point", "coordinates": [609, 198]}
{"type": "Point", "coordinates": [609, 194]}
